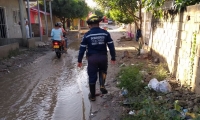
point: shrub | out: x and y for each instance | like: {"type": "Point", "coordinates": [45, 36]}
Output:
{"type": "Point", "coordinates": [131, 79]}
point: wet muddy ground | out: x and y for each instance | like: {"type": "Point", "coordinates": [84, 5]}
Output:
{"type": "Point", "coordinates": [37, 85]}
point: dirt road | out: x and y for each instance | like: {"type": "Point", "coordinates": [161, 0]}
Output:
{"type": "Point", "coordinates": [51, 88]}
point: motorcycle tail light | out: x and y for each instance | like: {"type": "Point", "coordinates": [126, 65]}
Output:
{"type": "Point", "coordinates": [55, 43]}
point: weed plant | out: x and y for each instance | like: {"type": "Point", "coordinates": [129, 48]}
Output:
{"type": "Point", "coordinates": [160, 72]}
{"type": "Point", "coordinates": [13, 53]}
{"type": "Point", "coordinates": [131, 79]}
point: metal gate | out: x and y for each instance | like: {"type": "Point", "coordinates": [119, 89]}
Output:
{"type": "Point", "coordinates": [3, 32]}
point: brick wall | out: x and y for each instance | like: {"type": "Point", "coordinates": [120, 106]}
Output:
{"type": "Point", "coordinates": [172, 41]}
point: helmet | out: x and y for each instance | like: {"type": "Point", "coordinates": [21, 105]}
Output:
{"type": "Point", "coordinates": [94, 20]}
{"type": "Point", "coordinates": [60, 24]}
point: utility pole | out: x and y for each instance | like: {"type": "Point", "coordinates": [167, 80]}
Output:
{"type": "Point", "coordinates": [51, 13]}
{"type": "Point", "coordinates": [39, 20]}
{"type": "Point", "coordinates": [45, 9]}
{"type": "Point", "coordinates": [30, 27]}
{"type": "Point", "coordinates": [22, 22]}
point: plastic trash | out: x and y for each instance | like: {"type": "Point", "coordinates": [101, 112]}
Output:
{"type": "Point", "coordinates": [132, 112]}
{"type": "Point", "coordinates": [162, 86]}
{"type": "Point", "coordinates": [124, 92]}
{"type": "Point", "coordinates": [153, 84]}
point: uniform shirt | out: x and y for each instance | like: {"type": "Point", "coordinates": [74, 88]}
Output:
{"type": "Point", "coordinates": [56, 34]}
{"type": "Point", "coordinates": [96, 41]}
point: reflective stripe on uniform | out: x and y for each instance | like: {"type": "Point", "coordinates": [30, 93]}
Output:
{"type": "Point", "coordinates": [83, 45]}
{"type": "Point", "coordinates": [110, 42]}
{"type": "Point", "coordinates": [96, 34]}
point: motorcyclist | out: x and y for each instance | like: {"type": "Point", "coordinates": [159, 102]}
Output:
{"type": "Point", "coordinates": [64, 35]}
{"type": "Point", "coordinates": [56, 34]}
{"type": "Point", "coordinates": [96, 41]}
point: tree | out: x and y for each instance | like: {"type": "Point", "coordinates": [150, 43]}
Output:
{"type": "Point", "coordinates": [67, 10]}
{"type": "Point", "coordinates": [120, 17]}
{"type": "Point", "coordinates": [155, 6]}
{"type": "Point", "coordinates": [98, 12]}
{"type": "Point", "coordinates": [125, 9]}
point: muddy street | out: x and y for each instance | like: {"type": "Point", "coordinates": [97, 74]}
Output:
{"type": "Point", "coordinates": [51, 89]}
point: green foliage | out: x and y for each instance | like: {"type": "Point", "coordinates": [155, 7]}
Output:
{"type": "Point", "coordinates": [120, 17]}
{"type": "Point", "coordinates": [69, 9]}
{"type": "Point", "coordinates": [160, 72]}
{"type": "Point", "coordinates": [13, 53]}
{"type": "Point", "coordinates": [148, 107]}
{"type": "Point", "coordinates": [121, 10]}
{"type": "Point", "coordinates": [108, 15]}
{"type": "Point", "coordinates": [193, 53]}
{"type": "Point", "coordinates": [181, 4]}
{"type": "Point", "coordinates": [155, 6]}
{"type": "Point", "coordinates": [98, 12]}
{"type": "Point", "coordinates": [131, 79]}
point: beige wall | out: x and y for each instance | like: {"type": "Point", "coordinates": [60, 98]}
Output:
{"type": "Point", "coordinates": [14, 30]}
{"type": "Point", "coordinates": [172, 41]}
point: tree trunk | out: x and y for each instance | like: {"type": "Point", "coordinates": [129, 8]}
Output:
{"type": "Point", "coordinates": [140, 17]}
{"type": "Point", "coordinates": [79, 28]}
{"type": "Point", "coordinates": [68, 23]}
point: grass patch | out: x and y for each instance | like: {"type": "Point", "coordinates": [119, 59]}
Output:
{"type": "Point", "coordinates": [160, 72]}
{"type": "Point", "coordinates": [13, 53]}
{"type": "Point", "coordinates": [146, 104]}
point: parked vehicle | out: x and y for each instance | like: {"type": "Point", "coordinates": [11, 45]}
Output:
{"type": "Point", "coordinates": [58, 47]}
{"type": "Point", "coordinates": [110, 22]}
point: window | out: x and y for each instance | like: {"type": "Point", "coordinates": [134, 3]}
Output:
{"type": "Point", "coordinates": [16, 16]}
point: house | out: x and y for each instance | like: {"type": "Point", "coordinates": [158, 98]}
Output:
{"type": "Point", "coordinates": [76, 22]}
{"type": "Point", "coordinates": [13, 35]}
{"type": "Point", "coordinates": [9, 10]}
{"type": "Point", "coordinates": [10, 30]}
{"type": "Point", "coordinates": [35, 22]}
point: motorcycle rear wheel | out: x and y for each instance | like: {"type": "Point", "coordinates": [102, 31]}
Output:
{"type": "Point", "coordinates": [58, 54]}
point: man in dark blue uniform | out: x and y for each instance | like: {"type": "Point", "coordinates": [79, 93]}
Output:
{"type": "Point", "coordinates": [96, 41]}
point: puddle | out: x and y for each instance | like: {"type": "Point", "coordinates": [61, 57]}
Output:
{"type": "Point", "coordinates": [49, 88]}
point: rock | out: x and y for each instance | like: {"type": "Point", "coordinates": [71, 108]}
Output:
{"type": "Point", "coordinates": [3, 67]}
{"type": "Point", "coordinates": [144, 73]}
{"type": "Point", "coordinates": [128, 101]}
{"type": "Point", "coordinates": [197, 100]}
{"type": "Point", "coordinates": [182, 103]}
{"type": "Point", "coordinates": [190, 103]}
{"type": "Point", "coordinates": [189, 110]}
{"type": "Point", "coordinates": [168, 95]}
{"type": "Point", "coordinates": [196, 109]}
{"type": "Point", "coordinates": [126, 54]}
{"type": "Point", "coordinates": [177, 94]}
{"type": "Point", "coordinates": [156, 60]}
{"type": "Point", "coordinates": [138, 57]}
{"type": "Point", "coordinates": [145, 56]}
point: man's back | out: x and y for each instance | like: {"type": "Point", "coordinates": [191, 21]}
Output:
{"type": "Point", "coordinates": [56, 34]}
{"type": "Point", "coordinates": [97, 39]}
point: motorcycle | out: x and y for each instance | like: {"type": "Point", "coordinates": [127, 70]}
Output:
{"type": "Point", "coordinates": [58, 47]}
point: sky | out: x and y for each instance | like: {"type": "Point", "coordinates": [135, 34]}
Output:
{"type": "Point", "coordinates": [91, 3]}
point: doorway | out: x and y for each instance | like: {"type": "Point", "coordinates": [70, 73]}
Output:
{"type": "Point", "coordinates": [3, 32]}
